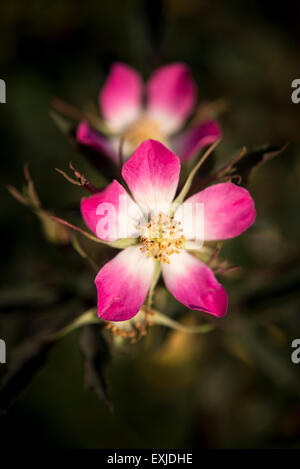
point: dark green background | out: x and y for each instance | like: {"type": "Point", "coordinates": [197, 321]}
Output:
{"type": "Point", "coordinates": [235, 387]}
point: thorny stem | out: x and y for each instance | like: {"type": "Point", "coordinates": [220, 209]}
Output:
{"type": "Point", "coordinates": [67, 177]}
{"type": "Point", "coordinates": [80, 180]}
{"type": "Point", "coordinates": [83, 180]}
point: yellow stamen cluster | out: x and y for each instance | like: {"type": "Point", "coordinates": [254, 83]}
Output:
{"type": "Point", "coordinates": [134, 328]}
{"type": "Point", "coordinates": [161, 237]}
{"type": "Point", "coordinates": [141, 130]}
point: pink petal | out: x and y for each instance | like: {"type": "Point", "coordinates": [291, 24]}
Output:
{"type": "Point", "coordinates": [89, 137]}
{"type": "Point", "coordinates": [152, 175]}
{"type": "Point", "coordinates": [228, 211]}
{"type": "Point", "coordinates": [123, 283]}
{"type": "Point", "coordinates": [121, 96]}
{"type": "Point", "coordinates": [195, 138]}
{"type": "Point", "coordinates": [111, 214]}
{"type": "Point", "coordinates": [194, 285]}
{"type": "Point", "coordinates": [171, 96]}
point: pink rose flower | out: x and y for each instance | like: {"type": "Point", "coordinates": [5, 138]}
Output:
{"type": "Point", "coordinates": [171, 97]}
{"type": "Point", "coordinates": [152, 175]}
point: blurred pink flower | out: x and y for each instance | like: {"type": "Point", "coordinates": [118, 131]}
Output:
{"type": "Point", "coordinates": [152, 175]}
{"type": "Point", "coordinates": [171, 97]}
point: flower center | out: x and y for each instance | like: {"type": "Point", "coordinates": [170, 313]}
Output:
{"type": "Point", "coordinates": [141, 130]}
{"type": "Point", "coordinates": [161, 237]}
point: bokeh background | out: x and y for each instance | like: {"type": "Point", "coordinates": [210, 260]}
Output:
{"type": "Point", "coordinates": [235, 387]}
